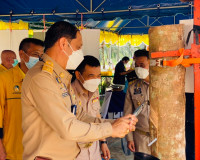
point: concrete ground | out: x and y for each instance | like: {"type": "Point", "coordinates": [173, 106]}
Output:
{"type": "Point", "coordinates": [114, 145]}
{"type": "Point", "coordinates": [117, 153]}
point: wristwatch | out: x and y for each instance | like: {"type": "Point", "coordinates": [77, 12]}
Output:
{"type": "Point", "coordinates": [102, 142]}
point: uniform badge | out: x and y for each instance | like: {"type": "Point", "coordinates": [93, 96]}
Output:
{"type": "Point", "coordinates": [48, 67]}
{"type": "Point", "coordinates": [137, 91]}
{"type": "Point", "coordinates": [74, 97]}
{"type": "Point", "coordinates": [87, 145]}
{"type": "Point", "coordinates": [16, 88]}
{"type": "Point", "coordinates": [62, 75]}
{"type": "Point", "coordinates": [138, 103]}
{"type": "Point", "coordinates": [58, 80]}
{"type": "Point", "coordinates": [95, 100]}
{"type": "Point", "coordinates": [64, 92]}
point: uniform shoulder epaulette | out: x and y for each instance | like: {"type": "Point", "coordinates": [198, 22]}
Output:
{"type": "Point", "coordinates": [48, 67]}
{"type": "Point", "coordinates": [132, 82]}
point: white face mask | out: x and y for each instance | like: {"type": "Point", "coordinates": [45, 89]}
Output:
{"type": "Point", "coordinates": [91, 84]}
{"type": "Point", "coordinates": [142, 73]}
{"type": "Point", "coordinates": [74, 59]}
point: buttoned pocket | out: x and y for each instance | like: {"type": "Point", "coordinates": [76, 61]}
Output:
{"type": "Point", "coordinates": [94, 110]}
{"type": "Point", "coordinates": [95, 107]}
{"type": "Point", "coordinates": [138, 100]}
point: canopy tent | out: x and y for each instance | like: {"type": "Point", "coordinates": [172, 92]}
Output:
{"type": "Point", "coordinates": [120, 16]}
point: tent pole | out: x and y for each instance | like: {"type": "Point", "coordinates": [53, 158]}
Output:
{"type": "Point", "coordinates": [99, 5]}
{"type": "Point", "coordinates": [90, 5]}
{"type": "Point", "coordinates": [88, 12]}
{"type": "Point", "coordinates": [125, 25]}
{"type": "Point", "coordinates": [82, 5]}
{"type": "Point", "coordinates": [141, 22]}
{"type": "Point", "coordinates": [175, 19]}
{"type": "Point", "coordinates": [197, 86]}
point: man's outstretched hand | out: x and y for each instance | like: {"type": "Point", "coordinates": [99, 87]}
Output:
{"type": "Point", "coordinates": [124, 125]}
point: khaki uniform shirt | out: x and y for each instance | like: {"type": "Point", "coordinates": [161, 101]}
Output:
{"type": "Point", "coordinates": [91, 105]}
{"type": "Point", "coordinates": [11, 112]}
{"type": "Point", "coordinates": [50, 129]}
{"type": "Point", "coordinates": [137, 93]}
{"type": "Point", "coordinates": [2, 68]}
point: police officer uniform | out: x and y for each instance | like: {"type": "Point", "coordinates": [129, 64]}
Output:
{"type": "Point", "coordinates": [11, 113]}
{"type": "Point", "coordinates": [90, 104]}
{"type": "Point", "coordinates": [137, 94]}
{"type": "Point", "coordinates": [50, 127]}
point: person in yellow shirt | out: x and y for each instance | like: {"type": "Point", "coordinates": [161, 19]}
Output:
{"type": "Point", "coordinates": [10, 99]}
{"type": "Point", "coordinates": [8, 60]}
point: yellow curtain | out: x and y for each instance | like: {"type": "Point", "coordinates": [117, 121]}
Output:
{"type": "Point", "coordinates": [14, 26]}
{"type": "Point", "coordinates": [136, 40]}
{"type": "Point", "coordinates": [109, 37]}
{"type": "Point", "coordinates": [113, 38]}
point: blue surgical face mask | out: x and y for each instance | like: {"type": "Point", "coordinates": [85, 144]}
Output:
{"type": "Point", "coordinates": [15, 62]}
{"type": "Point", "coordinates": [32, 61]}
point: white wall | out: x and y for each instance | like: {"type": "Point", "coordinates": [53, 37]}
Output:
{"type": "Point", "coordinates": [91, 42]}
{"type": "Point", "coordinates": [11, 40]}
{"type": "Point", "coordinates": [39, 34]}
{"type": "Point", "coordinates": [189, 77]}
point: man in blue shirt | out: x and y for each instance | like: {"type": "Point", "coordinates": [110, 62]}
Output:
{"type": "Point", "coordinates": [120, 71]}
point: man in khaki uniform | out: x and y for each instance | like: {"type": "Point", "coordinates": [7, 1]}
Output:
{"type": "Point", "coordinates": [137, 94]}
{"type": "Point", "coordinates": [88, 78]}
{"type": "Point", "coordinates": [8, 60]}
{"type": "Point", "coordinates": [51, 130]}
{"type": "Point", "coordinates": [10, 100]}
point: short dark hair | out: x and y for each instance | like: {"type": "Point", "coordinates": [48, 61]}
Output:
{"type": "Point", "coordinates": [90, 61]}
{"type": "Point", "coordinates": [7, 50]}
{"type": "Point", "coordinates": [58, 30]}
{"type": "Point", "coordinates": [25, 43]}
{"type": "Point", "coordinates": [142, 53]}
{"type": "Point", "coordinates": [125, 59]}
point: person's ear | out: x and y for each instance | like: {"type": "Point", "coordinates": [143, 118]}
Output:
{"type": "Point", "coordinates": [22, 56]}
{"type": "Point", "coordinates": [62, 42]}
{"type": "Point", "coordinates": [77, 74]}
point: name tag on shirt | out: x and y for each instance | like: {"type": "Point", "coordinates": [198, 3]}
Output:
{"type": "Point", "coordinates": [137, 91]}
{"type": "Point", "coordinates": [64, 92]}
